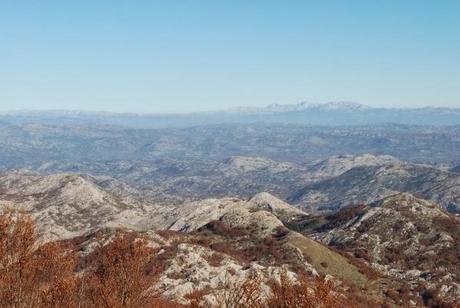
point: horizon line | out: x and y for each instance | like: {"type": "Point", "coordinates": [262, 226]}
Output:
{"type": "Point", "coordinates": [237, 109]}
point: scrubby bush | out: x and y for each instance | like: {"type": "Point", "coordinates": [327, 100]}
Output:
{"type": "Point", "coordinates": [118, 274]}
{"type": "Point", "coordinates": [32, 276]}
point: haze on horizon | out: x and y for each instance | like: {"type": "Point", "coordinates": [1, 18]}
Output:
{"type": "Point", "coordinates": [184, 56]}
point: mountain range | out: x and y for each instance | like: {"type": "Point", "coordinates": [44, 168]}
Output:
{"type": "Point", "coordinates": [365, 209]}
{"type": "Point", "coordinates": [304, 113]}
{"type": "Point", "coordinates": [323, 186]}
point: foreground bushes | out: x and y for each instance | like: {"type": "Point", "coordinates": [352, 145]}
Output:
{"type": "Point", "coordinates": [118, 274]}
{"type": "Point", "coordinates": [282, 293]}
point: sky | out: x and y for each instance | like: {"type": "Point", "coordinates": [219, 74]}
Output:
{"type": "Point", "coordinates": [183, 56]}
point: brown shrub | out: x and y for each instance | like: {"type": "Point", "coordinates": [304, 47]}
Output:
{"type": "Point", "coordinates": [363, 254]}
{"type": "Point", "coordinates": [450, 225]}
{"type": "Point", "coordinates": [303, 292]}
{"type": "Point", "coordinates": [168, 234]}
{"type": "Point", "coordinates": [196, 298]}
{"type": "Point", "coordinates": [342, 216]}
{"type": "Point", "coordinates": [215, 259]}
{"type": "Point", "coordinates": [281, 232]}
{"type": "Point", "coordinates": [121, 273]}
{"type": "Point", "coordinates": [393, 294]}
{"type": "Point", "coordinates": [31, 276]}
{"type": "Point", "coordinates": [245, 294]}
{"type": "Point", "coordinates": [226, 248]}
{"type": "Point", "coordinates": [220, 228]}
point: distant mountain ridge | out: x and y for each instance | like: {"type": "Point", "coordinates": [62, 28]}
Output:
{"type": "Point", "coordinates": [302, 106]}
{"type": "Point", "coordinates": [306, 113]}
{"type": "Point", "coordinates": [276, 107]}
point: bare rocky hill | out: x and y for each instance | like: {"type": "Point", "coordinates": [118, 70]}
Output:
{"type": "Point", "coordinates": [69, 205]}
{"type": "Point", "coordinates": [337, 165]}
{"type": "Point", "coordinates": [401, 236]}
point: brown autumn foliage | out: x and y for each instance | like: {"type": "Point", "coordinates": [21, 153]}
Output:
{"type": "Point", "coordinates": [341, 217]}
{"type": "Point", "coordinates": [118, 274]}
{"type": "Point", "coordinates": [245, 246]}
{"type": "Point", "coordinates": [33, 276]}
{"type": "Point", "coordinates": [121, 274]}
{"type": "Point", "coordinates": [284, 293]}
{"type": "Point", "coordinates": [244, 294]}
{"type": "Point", "coordinates": [303, 292]}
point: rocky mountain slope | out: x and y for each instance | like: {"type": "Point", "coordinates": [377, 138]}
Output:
{"type": "Point", "coordinates": [217, 242]}
{"type": "Point", "coordinates": [339, 164]}
{"type": "Point", "coordinates": [214, 236]}
{"type": "Point", "coordinates": [365, 184]}
{"type": "Point", "coordinates": [205, 244]}
{"type": "Point", "coordinates": [68, 205]}
{"type": "Point", "coordinates": [402, 237]}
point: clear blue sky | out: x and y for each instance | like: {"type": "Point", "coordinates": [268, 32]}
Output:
{"type": "Point", "coordinates": [180, 56]}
